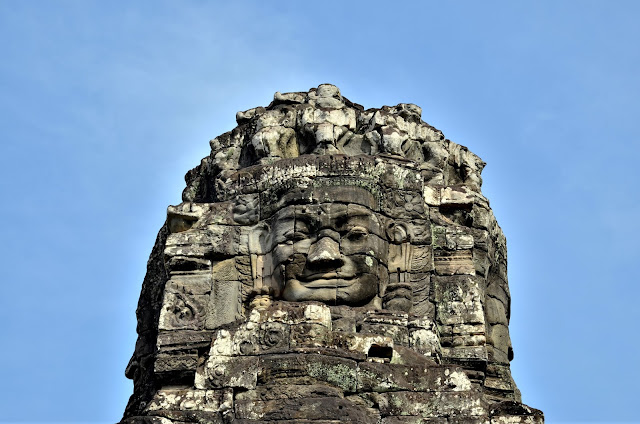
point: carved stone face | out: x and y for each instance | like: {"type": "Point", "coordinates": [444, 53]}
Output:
{"type": "Point", "coordinates": [328, 252]}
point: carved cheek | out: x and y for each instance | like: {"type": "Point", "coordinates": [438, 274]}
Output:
{"type": "Point", "coordinates": [295, 266]}
{"type": "Point", "coordinates": [282, 253]}
{"type": "Point", "coordinates": [362, 264]}
{"type": "Point", "coordinates": [373, 245]}
{"type": "Point", "coordinates": [302, 246]}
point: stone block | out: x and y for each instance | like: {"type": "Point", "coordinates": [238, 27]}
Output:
{"type": "Point", "coordinates": [510, 412]}
{"type": "Point", "coordinates": [399, 334]}
{"type": "Point", "coordinates": [289, 98]}
{"type": "Point", "coordinates": [413, 420]}
{"type": "Point", "coordinates": [481, 262]}
{"type": "Point", "coordinates": [431, 194]}
{"type": "Point", "coordinates": [498, 384]}
{"type": "Point", "coordinates": [419, 230]}
{"type": "Point", "coordinates": [498, 337]}
{"type": "Point", "coordinates": [284, 117]}
{"type": "Point", "coordinates": [495, 311]}
{"type": "Point", "coordinates": [310, 335]}
{"type": "Point", "coordinates": [252, 339]}
{"type": "Point", "coordinates": [289, 391]}
{"type": "Point", "coordinates": [224, 270]}
{"type": "Point", "coordinates": [432, 404]}
{"type": "Point", "coordinates": [176, 362]}
{"type": "Point", "coordinates": [438, 236]}
{"type": "Point", "coordinates": [458, 300]}
{"type": "Point", "coordinates": [506, 419]}
{"type": "Point", "coordinates": [387, 317]}
{"type": "Point", "coordinates": [183, 311]}
{"type": "Point", "coordinates": [191, 400]}
{"type": "Point", "coordinates": [482, 217]}
{"type": "Point", "coordinates": [295, 313]}
{"type": "Point", "coordinates": [361, 343]}
{"type": "Point", "coordinates": [183, 339]}
{"type": "Point", "coordinates": [217, 240]}
{"type": "Point", "coordinates": [193, 283]}
{"type": "Point", "coordinates": [175, 265]}
{"type": "Point", "coordinates": [336, 371]}
{"type": "Point", "coordinates": [470, 420]}
{"type": "Point", "coordinates": [482, 242]}
{"type": "Point", "coordinates": [228, 371]}
{"type": "Point", "coordinates": [403, 204]}
{"type": "Point", "coordinates": [467, 329]}
{"type": "Point", "coordinates": [421, 259]}
{"type": "Point", "coordinates": [497, 356]}
{"type": "Point", "coordinates": [457, 196]}
{"type": "Point", "coordinates": [243, 117]}
{"type": "Point", "coordinates": [311, 410]}
{"type": "Point", "coordinates": [465, 355]}
{"type": "Point", "coordinates": [147, 420]}
{"type": "Point", "coordinates": [246, 209]}
{"type": "Point", "coordinates": [224, 303]}
{"type": "Point", "coordinates": [457, 262]}
{"type": "Point", "coordinates": [200, 417]}
{"type": "Point", "coordinates": [376, 377]}
{"type": "Point", "coordinates": [403, 178]}
{"type": "Point", "coordinates": [420, 293]}
{"type": "Point", "coordinates": [458, 239]}
{"type": "Point", "coordinates": [425, 341]}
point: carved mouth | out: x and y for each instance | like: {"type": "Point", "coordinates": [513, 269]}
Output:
{"type": "Point", "coordinates": [317, 282]}
{"type": "Point", "coordinates": [333, 275]}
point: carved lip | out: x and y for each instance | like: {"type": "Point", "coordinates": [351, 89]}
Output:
{"type": "Point", "coordinates": [333, 275]}
{"type": "Point", "coordinates": [327, 283]}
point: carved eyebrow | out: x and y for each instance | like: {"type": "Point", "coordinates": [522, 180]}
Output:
{"type": "Point", "coordinates": [305, 219]}
{"type": "Point", "coordinates": [285, 221]}
{"type": "Point", "coordinates": [355, 213]}
{"type": "Point", "coordinates": [285, 213]}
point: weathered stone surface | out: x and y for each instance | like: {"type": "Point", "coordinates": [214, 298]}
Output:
{"type": "Point", "coordinates": [432, 404]}
{"type": "Point", "coordinates": [336, 371]}
{"type": "Point", "coordinates": [414, 420]}
{"type": "Point", "coordinates": [289, 391]}
{"type": "Point", "coordinates": [376, 377]}
{"type": "Point", "coordinates": [328, 264]}
{"type": "Point", "coordinates": [317, 408]}
{"type": "Point", "coordinates": [192, 400]}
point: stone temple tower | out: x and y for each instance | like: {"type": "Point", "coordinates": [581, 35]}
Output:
{"type": "Point", "coordinates": [328, 264]}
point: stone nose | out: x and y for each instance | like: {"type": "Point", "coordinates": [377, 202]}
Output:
{"type": "Point", "coordinates": [325, 254]}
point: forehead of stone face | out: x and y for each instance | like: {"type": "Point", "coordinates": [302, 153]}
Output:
{"type": "Point", "coordinates": [312, 217]}
{"type": "Point", "coordinates": [347, 194]}
{"type": "Point", "coordinates": [323, 191]}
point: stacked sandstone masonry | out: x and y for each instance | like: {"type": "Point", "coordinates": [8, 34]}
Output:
{"type": "Point", "coordinates": [236, 323]}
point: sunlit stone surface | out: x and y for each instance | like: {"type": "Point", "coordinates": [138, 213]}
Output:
{"type": "Point", "coordinates": [328, 264]}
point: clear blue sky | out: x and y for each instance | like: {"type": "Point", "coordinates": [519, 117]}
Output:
{"type": "Point", "coordinates": [105, 105]}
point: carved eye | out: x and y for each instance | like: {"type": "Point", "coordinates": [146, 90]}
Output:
{"type": "Point", "coordinates": [357, 234]}
{"type": "Point", "coordinates": [295, 236]}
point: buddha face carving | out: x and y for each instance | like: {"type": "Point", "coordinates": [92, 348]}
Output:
{"type": "Point", "coordinates": [328, 252]}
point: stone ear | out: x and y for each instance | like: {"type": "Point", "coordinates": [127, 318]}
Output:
{"type": "Point", "coordinates": [258, 239]}
{"type": "Point", "coordinates": [258, 249]}
{"type": "Point", "coordinates": [399, 237]}
{"type": "Point", "coordinates": [398, 294]}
